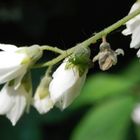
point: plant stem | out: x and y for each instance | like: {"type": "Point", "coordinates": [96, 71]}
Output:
{"type": "Point", "coordinates": [53, 49]}
{"type": "Point", "coordinates": [49, 70]}
{"type": "Point", "coordinates": [109, 29]}
{"type": "Point", "coordinates": [57, 59]}
{"type": "Point", "coordinates": [90, 40]}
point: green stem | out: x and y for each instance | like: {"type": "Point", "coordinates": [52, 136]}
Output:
{"type": "Point", "coordinates": [53, 49]}
{"type": "Point", "coordinates": [49, 70]}
{"type": "Point", "coordinates": [109, 29]}
{"type": "Point", "coordinates": [57, 59]}
{"type": "Point", "coordinates": [91, 40]}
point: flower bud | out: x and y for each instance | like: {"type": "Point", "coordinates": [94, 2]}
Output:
{"type": "Point", "coordinates": [42, 100]}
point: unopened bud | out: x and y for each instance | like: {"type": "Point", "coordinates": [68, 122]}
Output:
{"type": "Point", "coordinates": [42, 100]}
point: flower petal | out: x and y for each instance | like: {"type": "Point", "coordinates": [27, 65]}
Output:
{"type": "Point", "coordinates": [126, 32]}
{"type": "Point", "coordinates": [12, 102]}
{"type": "Point", "coordinates": [63, 79]}
{"type": "Point", "coordinates": [43, 105]}
{"type": "Point", "coordinates": [10, 59]}
{"type": "Point", "coordinates": [6, 102]}
{"type": "Point", "coordinates": [135, 41]}
{"type": "Point", "coordinates": [10, 66]}
{"type": "Point", "coordinates": [8, 47]}
{"type": "Point", "coordinates": [19, 103]}
{"type": "Point", "coordinates": [7, 75]}
{"type": "Point", "coordinates": [134, 22]}
{"type": "Point", "coordinates": [70, 94]}
{"type": "Point", "coordinates": [42, 100]}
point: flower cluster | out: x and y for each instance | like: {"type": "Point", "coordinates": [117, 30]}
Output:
{"type": "Point", "coordinates": [59, 90]}
{"type": "Point", "coordinates": [16, 93]}
{"type": "Point", "coordinates": [64, 85]}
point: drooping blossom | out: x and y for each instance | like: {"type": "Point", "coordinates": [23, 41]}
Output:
{"type": "Point", "coordinates": [13, 101]}
{"type": "Point", "coordinates": [16, 94]}
{"type": "Point", "coordinates": [68, 79]}
{"type": "Point", "coordinates": [14, 61]}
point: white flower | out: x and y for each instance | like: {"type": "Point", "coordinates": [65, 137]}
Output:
{"type": "Point", "coordinates": [66, 85]}
{"type": "Point", "coordinates": [42, 100]}
{"type": "Point", "coordinates": [16, 93]}
{"type": "Point", "coordinates": [14, 61]}
{"type": "Point", "coordinates": [13, 102]}
{"type": "Point", "coordinates": [133, 27]}
{"type": "Point", "coordinates": [136, 114]}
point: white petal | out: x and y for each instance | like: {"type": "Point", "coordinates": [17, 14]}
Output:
{"type": "Point", "coordinates": [134, 22]}
{"type": "Point", "coordinates": [126, 32]}
{"type": "Point", "coordinates": [8, 47]}
{"type": "Point", "coordinates": [66, 85]}
{"type": "Point", "coordinates": [6, 102]}
{"type": "Point", "coordinates": [10, 66]}
{"type": "Point", "coordinates": [135, 41]}
{"type": "Point", "coordinates": [42, 100]}
{"type": "Point", "coordinates": [12, 102]}
{"type": "Point", "coordinates": [63, 79]}
{"type": "Point", "coordinates": [7, 75]}
{"type": "Point", "coordinates": [43, 105]}
{"type": "Point", "coordinates": [14, 61]}
{"type": "Point", "coordinates": [138, 53]}
{"type": "Point", "coordinates": [10, 59]}
{"type": "Point", "coordinates": [21, 72]}
{"type": "Point", "coordinates": [19, 98]}
{"type": "Point", "coordinates": [70, 94]}
{"type": "Point", "coordinates": [134, 7]}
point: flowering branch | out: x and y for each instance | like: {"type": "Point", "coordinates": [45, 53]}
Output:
{"type": "Point", "coordinates": [87, 42]}
{"type": "Point", "coordinates": [63, 86]}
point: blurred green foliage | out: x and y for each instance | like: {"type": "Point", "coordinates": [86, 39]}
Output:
{"type": "Point", "coordinates": [108, 121]}
{"type": "Point", "coordinates": [113, 98]}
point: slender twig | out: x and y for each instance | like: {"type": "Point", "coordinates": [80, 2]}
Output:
{"type": "Point", "coordinates": [90, 40]}
{"type": "Point", "coordinates": [109, 29]}
{"type": "Point", "coordinates": [53, 49]}
{"type": "Point", "coordinates": [49, 70]}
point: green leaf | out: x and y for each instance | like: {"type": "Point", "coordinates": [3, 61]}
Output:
{"type": "Point", "coordinates": [109, 121]}
{"type": "Point", "coordinates": [100, 86]}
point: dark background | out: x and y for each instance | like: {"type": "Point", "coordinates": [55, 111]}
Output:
{"type": "Point", "coordinates": [62, 23]}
